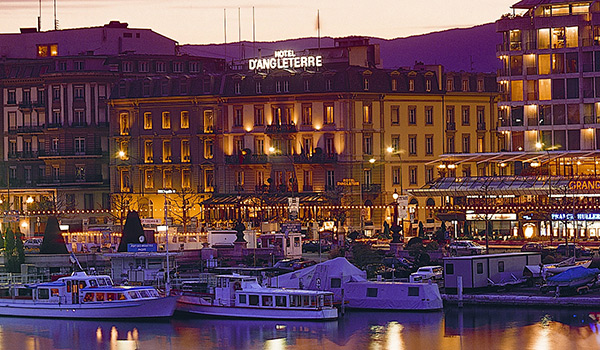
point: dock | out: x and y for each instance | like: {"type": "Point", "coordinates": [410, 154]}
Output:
{"type": "Point", "coordinates": [523, 300]}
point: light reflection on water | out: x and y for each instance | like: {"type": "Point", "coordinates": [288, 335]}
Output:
{"type": "Point", "coordinates": [468, 328]}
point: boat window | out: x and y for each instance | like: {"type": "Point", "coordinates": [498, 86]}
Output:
{"type": "Point", "coordinates": [82, 284]}
{"type": "Point", "coordinates": [253, 299]}
{"type": "Point", "coordinates": [101, 282]}
{"type": "Point", "coordinates": [110, 296]}
{"type": "Point", "coordinates": [438, 270]}
{"type": "Point", "coordinates": [336, 283]}
{"type": "Point", "coordinates": [413, 291]}
{"type": "Point", "coordinates": [242, 299]}
{"type": "Point", "coordinates": [500, 266]}
{"type": "Point", "coordinates": [313, 301]}
{"type": "Point", "coordinates": [267, 300]}
{"type": "Point", "coordinates": [99, 296]}
{"type": "Point", "coordinates": [88, 297]}
{"type": "Point", "coordinates": [320, 301]}
{"type": "Point", "coordinates": [108, 281]}
{"type": "Point", "coordinates": [93, 283]}
{"type": "Point", "coordinates": [54, 292]}
{"type": "Point", "coordinates": [372, 292]}
{"type": "Point", "coordinates": [294, 300]}
{"type": "Point", "coordinates": [280, 300]}
{"type": "Point", "coordinates": [122, 296]}
{"type": "Point", "coordinates": [479, 268]}
{"type": "Point", "coordinates": [133, 295]}
{"type": "Point", "coordinates": [144, 294]}
{"type": "Point", "coordinates": [153, 293]}
{"type": "Point", "coordinates": [43, 293]}
{"type": "Point", "coordinates": [69, 286]}
{"type": "Point", "coordinates": [449, 269]}
{"type": "Point", "coordinates": [305, 300]}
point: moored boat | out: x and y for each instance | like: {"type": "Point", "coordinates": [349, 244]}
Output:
{"type": "Point", "coordinates": [243, 297]}
{"type": "Point", "coordinates": [85, 296]}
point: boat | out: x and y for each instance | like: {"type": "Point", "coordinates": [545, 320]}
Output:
{"type": "Point", "coordinates": [243, 297]}
{"type": "Point", "coordinates": [84, 296]}
{"type": "Point", "coordinates": [352, 289]}
{"type": "Point", "coordinates": [565, 265]}
{"type": "Point", "coordinates": [574, 277]}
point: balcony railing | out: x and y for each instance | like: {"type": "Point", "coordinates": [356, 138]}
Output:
{"type": "Point", "coordinates": [480, 126]}
{"type": "Point", "coordinates": [26, 129]}
{"type": "Point", "coordinates": [64, 180]}
{"type": "Point", "coordinates": [70, 153]}
{"type": "Point", "coordinates": [318, 158]}
{"type": "Point", "coordinates": [247, 159]}
{"type": "Point", "coordinates": [281, 129]}
{"type": "Point", "coordinates": [451, 126]}
{"type": "Point", "coordinates": [371, 188]}
{"type": "Point", "coordinates": [25, 105]}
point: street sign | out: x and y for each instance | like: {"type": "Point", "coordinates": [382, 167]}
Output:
{"type": "Point", "coordinates": [151, 221]}
{"type": "Point", "coordinates": [141, 247]}
{"type": "Point", "coordinates": [293, 207]}
{"type": "Point", "coordinates": [402, 207]}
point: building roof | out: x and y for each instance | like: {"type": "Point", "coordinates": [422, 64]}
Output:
{"type": "Point", "coordinates": [528, 4]}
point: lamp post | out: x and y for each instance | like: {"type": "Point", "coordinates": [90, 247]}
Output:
{"type": "Point", "coordinates": [540, 146]}
{"type": "Point", "coordinates": [166, 191]}
{"type": "Point", "coordinates": [395, 229]}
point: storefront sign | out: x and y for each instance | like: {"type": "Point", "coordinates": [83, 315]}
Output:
{"type": "Point", "coordinates": [348, 182]}
{"type": "Point", "coordinates": [492, 217]}
{"type": "Point", "coordinates": [285, 59]}
{"type": "Point", "coordinates": [144, 247]}
{"type": "Point", "coordinates": [591, 185]}
{"type": "Point", "coordinates": [579, 216]}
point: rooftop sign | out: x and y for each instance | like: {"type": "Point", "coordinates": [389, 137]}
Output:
{"type": "Point", "coordinates": [283, 59]}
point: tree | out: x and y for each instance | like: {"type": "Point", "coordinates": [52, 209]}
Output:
{"type": "Point", "coordinates": [421, 230]}
{"type": "Point", "coordinates": [133, 232]}
{"type": "Point", "coordinates": [184, 201]}
{"type": "Point", "coordinates": [14, 253]}
{"type": "Point", "coordinates": [53, 242]}
{"type": "Point", "coordinates": [120, 204]}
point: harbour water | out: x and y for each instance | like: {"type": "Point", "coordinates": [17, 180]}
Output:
{"type": "Point", "coordinates": [467, 328]}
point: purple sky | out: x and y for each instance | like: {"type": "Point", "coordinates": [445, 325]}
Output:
{"type": "Point", "coordinates": [201, 21]}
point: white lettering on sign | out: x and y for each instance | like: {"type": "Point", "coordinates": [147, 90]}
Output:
{"type": "Point", "coordinates": [283, 59]}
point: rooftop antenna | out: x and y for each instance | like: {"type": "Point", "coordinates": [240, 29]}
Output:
{"type": "Point", "coordinates": [240, 33]}
{"type": "Point", "coordinates": [318, 30]}
{"type": "Point", "coordinates": [55, 20]}
{"type": "Point", "coordinates": [40, 18]}
{"type": "Point", "coordinates": [225, 31]}
{"type": "Point", "coordinates": [253, 34]}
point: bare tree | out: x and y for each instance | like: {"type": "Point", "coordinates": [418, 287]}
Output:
{"type": "Point", "coordinates": [184, 201]}
{"type": "Point", "coordinates": [120, 204]}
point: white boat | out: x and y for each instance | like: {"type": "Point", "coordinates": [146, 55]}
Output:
{"type": "Point", "coordinates": [243, 297]}
{"type": "Point", "coordinates": [565, 265]}
{"type": "Point", "coordinates": [85, 296]}
{"type": "Point", "coordinates": [351, 288]}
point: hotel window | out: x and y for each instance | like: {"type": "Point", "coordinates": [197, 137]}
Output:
{"type": "Point", "coordinates": [395, 114]}
{"type": "Point", "coordinates": [396, 142]}
{"type": "Point", "coordinates": [259, 115]}
{"type": "Point", "coordinates": [368, 177]}
{"type": "Point", "coordinates": [308, 180]}
{"type": "Point", "coordinates": [258, 87]}
{"type": "Point", "coordinates": [186, 178]}
{"type": "Point", "coordinates": [148, 152]}
{"type": "Point", "coordinates": [396, 175]}
{"type": "Point", "coordinates": [259, 146]}
{"type": "Point", "coordinates": [194, 67]}
{"type": "Point", "coordinates": [237, 88]}
{"type": "Point", "coordinates": [480, 144]}
{"type": "Point", "coordinates": [465, 85]}
{"type": "Point", "coordinates": [208, 149]}
{"type": "Point", "coordinates": [466, 115]}
{"type": "Point", "coordinates": [238, 116]}
{"type": "Point", "coordinates": [411, 85]}
{"type": "Point", "coordinates": [328, 85]}
{"type": "Point", "coordinates": [79, 172]}
{"type": "Point", "coordinates": [306, 85]}
{"type": "Point", "coordinates": [166, 120]}
{"type": "Point", "coordinates": [307, 145]}
{"type": "Point", "coordinates": [124, 179]}
{"type": "Point", "coordinates": [306, 114]}
{"type": "Point", "coordinates": [185, 120]}
{"type": "Point", "coordinates": [466, 171]}
{"type": "Point", "coordinates": [79, 117]}
{"type": "Point", "coordinates": [367, 115]}
{"type": "Point", "coordinates": [238, 144]}
{"type": "Point", "coordinates": [260, 179]}
{"type": "Point", "coordinates": [209, 179]}
{"type": "Point", "coordinates": [428, 85]}
{"type": "Point", "coordinates": [558, 37]}
{"type": "Point", "coordinates": [328, 113]}
{"type": "Point", "coordinates": [286, 86]}
{"type": "Point", "coordinates": [78, 92]}
{"type": "Point", "coordinates": [368, 144]}
{"type": "Point", "coordinates": [127, 67]}
{"type": "Point", "coordinates": [79, 144]}
{"type": "Point", "coordinates": [12, 97]}
{"type": "Point", "coordinates": [516, 89]}
{"type": "Point", "coordinates": [572, 36]}
{"type": "Point", "coordinates": [277, 86]}
{"type": "Point", "coordinates": [55, 94]}
{"type": "Point", "coordinates": [330, 179]}
{"type": "Point", "coordinates": [148, 121]}
{"type": "Point", "coordinates": [164, 87]}
{"type": "Point", "coordinates": [149, 179]}
{"type": "Point", "coordinates": [185, 151]}
{"type": "Point", "coordinates": [412, 145]}
{"type": "Point", "coordinates": [480, 85]}
{"type": "Point", "coordinates": [124, 123]}
{"type": "Point", "coordinates": [329, 148]}
{"type": "Point", "coordinates": [412, 115]}
{"type": "Point", "coordinates": [428, 115]}
{"type": "Point", "coordinates": [449, 84]}
{"type": "Point", "coordinates": [160, 67]}
{"type": "Point", "coordinates": [166, 151]}
{"type": "Point", "coordinates": [27, 174]}
{"type": "Point", "coordinates": [366, 84]}
{"type": "Point", "coordinates": [394, 84]}
{"type": "Point", "coordinates": [466, 143]}
{"type": "Point", "coordinates": [54, 146]}
{"type": "Point", "coordinates": [177, 67]}
{"type": "Point", "coordinates": [545, 89]}
{"type": "Point", "coordinates": [167, 178]}
{"type": "Point", "coordinates": [428, 174]}
{"type": "Point", "coordinates": [46, 50]}
{"type": "Point", "coordinates": [450, 144]}
{"type": "Point", "coordinates": [79, 65]}
{"type": "Point", "coordinates": [143, 66]}
{"type": "Point", "coordinates": [450, 117]}
{"type": "Point", "coordinates": [428, 144]}
{"type": "Point", "coordinates": [412, 175]}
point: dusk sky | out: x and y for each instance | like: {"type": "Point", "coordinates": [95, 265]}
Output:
{"type": "Point", "coordinates": [201, 21]}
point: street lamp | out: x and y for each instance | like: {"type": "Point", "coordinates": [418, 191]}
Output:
{"type": "Point", "coordinates": [395, 228]}
{"type": "Point", "coordinates": [165, 192]}
{"type": "Point", "coordinates": [540, 147]}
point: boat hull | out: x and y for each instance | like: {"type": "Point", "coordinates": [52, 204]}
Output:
{"type": "Point", "coordinates": [257, 313]}
{"type": "Point", "coordinates": [147, 308]}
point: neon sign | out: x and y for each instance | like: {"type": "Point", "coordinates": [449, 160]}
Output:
{"type": "Point", "coordinates": [584, 185]}
{"type": "Point", "coordinates": [283, 59]}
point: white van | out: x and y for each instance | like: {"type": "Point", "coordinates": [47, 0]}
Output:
{"type": "Point", "coordinates": [425, 273]}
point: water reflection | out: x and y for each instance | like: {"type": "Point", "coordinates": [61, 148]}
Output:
{"type": "Point", "coordinates": [467, 328]}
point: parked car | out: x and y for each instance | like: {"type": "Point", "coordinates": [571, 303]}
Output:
{"type": "Point", "coordinates": [313, 247]}
{"type": "Point", "coordinates": [302, 264]}
{"type": "Point", "coordinates": [425, 273]}
{"type": "Point", "coordinates": [533, 247]}
{"type": "Point", "coordinates": [286, 264]}
{"type": "Point", "coordinates": [573, 250]}
{"type": "Point", "coordinates": [33, 243]}
{"type": "Point", "coordinates": [465, 248]}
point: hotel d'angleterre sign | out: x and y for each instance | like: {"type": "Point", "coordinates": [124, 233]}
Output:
{"type": "Point", "coordinates": [283, 59]}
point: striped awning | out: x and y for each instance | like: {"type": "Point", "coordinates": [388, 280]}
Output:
{"type": "Point", "coordinates": [267, 199]}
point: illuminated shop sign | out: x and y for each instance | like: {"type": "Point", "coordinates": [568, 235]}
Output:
{"type": "Point", "coordinates": [494, 217]}
{"type": "Point", "coordinates": [584, 185]}
{"type": "Point", "coordinates": [283, 59]}
{"type": "Point", "coordinates": [579, 216]}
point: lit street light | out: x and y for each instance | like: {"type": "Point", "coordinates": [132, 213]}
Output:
{"type": "Point", "coordinates": [166, 191]}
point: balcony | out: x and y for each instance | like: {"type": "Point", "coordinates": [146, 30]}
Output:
{"type": "Point", "coordinates": [25, 105]}
{"type": "Point", "coordinates": [70, 153]}
{"type": "Point", "coordinates": [79, 124]}
{"type": "Point", "coordinates": [315, 158]}
{"type": "Point", "coordinates": [39, 105]}
{"type": "Point", "coordinates": [247, 159]}
{"type": "Point", "coordinates": [480, 126]}
{"type": "Point", "coordinates": [281, 129]}
{"type": "Point", "coordinates": [54, 125]}
{"type": "Point", "coordinates": [23, 155]}
{"type": "Point", "coordinates": [26, 129]}
{"type": "Point", "coordinates": [71, 180]}
{"type": "Point", "coordinates": [451, 126]}
{"type": "Point", "coordinates": [371, 188]}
